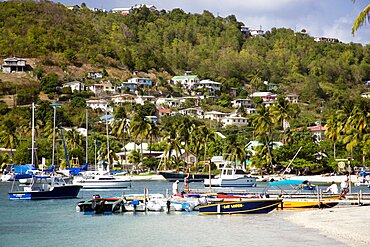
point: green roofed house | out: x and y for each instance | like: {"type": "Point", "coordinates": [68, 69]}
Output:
{"type": "Point", "coordinates": [186, 81]}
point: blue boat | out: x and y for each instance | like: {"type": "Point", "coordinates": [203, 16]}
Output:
{"type": "Point", "coordinates": [44, 187]}
{"type": "Point", "coordinates": [244, 206]}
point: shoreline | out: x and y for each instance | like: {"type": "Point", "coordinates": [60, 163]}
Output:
{"type": "Point", "coordinates": [348, 225]}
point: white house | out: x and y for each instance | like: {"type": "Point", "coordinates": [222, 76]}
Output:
{"type": "Point", "coordinates": [207, 84]}
{"type": "Point", "coordinates": [366, 95]}
{"type": "Point", "coordinates": [234, 120]}
{"type": "Point", "coordinates": [168, 102]}
{"type": "Point", "coordinates": [193, 112]}
{"type": "Point", "coordinates": [256, 32]}
{"type": "Point", "coordinates": [145, 98]}
{"type": "Point", "coordinates": [99, 104]}
{"type": "Point", "coordinates": [245, 103]}
{"type": "Point", "coordinates": [94, 75]}
{"type": "Point", "coordinates": [123, 98]}
{"type": "Point", "coordinates": [186, 81]}
{"type": "Point", "coordinates": [215, 115]}
{"type": "Point", "coordinates": [75, 86]}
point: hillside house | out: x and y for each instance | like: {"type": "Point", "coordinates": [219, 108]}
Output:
{"type": "Point", "coordinates": [14, 65]}
{"type": "Point", "coordinates": [268, 98]}
{"type": "Point", "coordinates": [192, 112]}
{"type": "Point", "coordinates": [122, 11]}
{"type": "Point", "coordinates": [234, 120]}
{"type": "Point", "coordinates": [186, 81]}
{"type": "Point", "coordinates": [318, 131]}
{"type": "Point", "coordinates": [366, 95]}
{"type": "Point", "coordinates": [94, 75]}
{"type": "Point", "coordinates": [145, 98]}
{"type": "Point", "coordinates": [163, 112]}
{"type": "Point", "coordinates": [99, 104]}
{"type": "Point", "coordinates": [168, 102]}
{"type": "Point", "coordinates": [215, 115]}
{"type": "Point", "coordinates": [119, 100]}
{"type": "Point", "coordinates": [245, 103]}
{"type": "Point", "coordinates": [209, 86]}
{"type": "Point", "coordinates": [292, 98]}
{"type": "Point", "coordinates": [102, 88]}
{"type": "Point", "coordinates": [76, 86]}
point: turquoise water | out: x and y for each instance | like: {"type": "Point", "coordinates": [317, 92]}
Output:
{"type": "Point", "coordinates": [56, 223]}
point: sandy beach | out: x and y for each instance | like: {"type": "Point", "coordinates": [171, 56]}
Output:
{"type": "Point", "coordinates": [349, 225]}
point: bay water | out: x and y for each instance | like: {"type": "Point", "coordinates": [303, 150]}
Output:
{"type": "Point", "coordinates": [56, 223]}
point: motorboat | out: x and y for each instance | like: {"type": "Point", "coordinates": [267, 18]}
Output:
{"type": "Point", "coordinates": [298, 194]}
{"type": "Point", "coordinates": [172, 176]}
{"type": "Point", "coordinates": [100, 205]}
{"type": "Point", "coordinates": [242, 206]}
{"type": "Point", "coordinates": [101, 180]}
{"type": "Point", "coordinates": [44, 187]}
{"type": "Point", "coordinates": [231, 177]}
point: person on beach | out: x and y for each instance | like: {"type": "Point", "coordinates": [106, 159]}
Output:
{"type": "Point", "coordinates": [333, 188]}
{"type": "Point", "coordinates": [344, 187]}
{"type": "Point", "coordinates": [175, 187]}
{"type": "Point", "coordinates": [186, 181]}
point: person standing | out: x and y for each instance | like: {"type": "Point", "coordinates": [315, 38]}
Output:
{"type": "Point", "coordinates": [344, 187]}
{"type": "Point", "coordinates": [186, 181]}
{"type": "Point", "coordinates": [175, 187]}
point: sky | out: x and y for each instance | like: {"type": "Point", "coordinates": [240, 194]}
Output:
{"type": "Point", "coordinates": [320, 18]}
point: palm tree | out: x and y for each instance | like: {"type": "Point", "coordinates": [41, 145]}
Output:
{"type": "Point", "coordinates": [282, 111]}
{"type": "Point", "coordinates": [360, 19]}
{"type": "Point", "coordinates": [140, 128]}
{"type": "Point", "coordinates": [8, 136]}
{"type": "Point", "coordinates": [184, 132]}
{"type": "Point", "coordinates": [172, 145]}
{"type": "Point", "coordinates": [333, 130]}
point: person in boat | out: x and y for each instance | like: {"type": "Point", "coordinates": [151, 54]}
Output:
{"type": "Point", "coordinates": [175, 187]}
{"type": "Point", "coordinates": [186, 181]}
{"type": "Point", "coordinates": [344, 187]}
{"type": "Point", "coordinates": [333, 188]}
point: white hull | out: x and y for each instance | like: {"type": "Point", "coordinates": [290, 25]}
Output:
{"type": "Point", "coordinates": [231, 182]}
{"type": "Point", "coordinates": [87, 184]}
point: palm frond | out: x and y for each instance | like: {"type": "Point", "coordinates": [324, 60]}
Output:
{"type": "Point", "coordinates": [361, 19]}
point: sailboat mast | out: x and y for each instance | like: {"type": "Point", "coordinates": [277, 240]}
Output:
{"type": "Point", "coordinates": [87, 139]}
{"type": "Point", "coordinates": [33, 136]}
{"type": "Point", "coordinates": [53, 155]}
{"type": "Point", "coordinates": [106, 125]}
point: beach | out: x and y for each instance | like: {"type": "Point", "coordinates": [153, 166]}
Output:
{"type": "Point", "coordinates": [349, 225]}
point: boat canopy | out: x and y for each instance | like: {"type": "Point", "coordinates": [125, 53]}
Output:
{"type": "Point", "coordinates": [287, 182]}
{"type": "Point", "coordinates": [23, 168]}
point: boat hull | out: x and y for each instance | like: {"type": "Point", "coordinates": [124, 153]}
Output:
{"type": "Point", "coordinates": [236, 182]}
{"type": "Point", "coordinates": [103, 184]}
{"type": "Point", "coordinates": [253, 206]}
{"type": "Point", "coordinates": [101, 206]}
{"type": "Point", "coordinates": [173, 176]}
{"type": "Point", "coordinates": [308, 204]}
{"type": "Point", "coordinates": [62, 192]}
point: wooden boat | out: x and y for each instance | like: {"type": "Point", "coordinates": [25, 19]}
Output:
{"type": "Point", "coordinates": [243, 206]}
{"type": "Point", "coordinates": [44, 187]}
{"type": "Point", "coordinates": [99, 205]}
{"type": "Point", "coordinates": [298, 194]}
{"type": "Point", "coordinates": [193, 177]}
{"type": "Point", "coordinates": [231, 177]}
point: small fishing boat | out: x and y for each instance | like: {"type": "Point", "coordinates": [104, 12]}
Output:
{"type": "Point", "coordinates": [298, 194]}
{"type": "Point", "coordinates": [231, 177]}
{"type": "Point", "coordinates": [99, 205]}
{"type": "Point", "coordinates": [242, 206]}
{"type": "Point", "coordinates": [173, 176]}
{"type": "Point", "coordinates": [44, 187]}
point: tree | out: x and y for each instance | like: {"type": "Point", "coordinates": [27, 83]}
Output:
{"type": "Point", "coordinates": [361, 18]}
{"type": "Point", "coordinates": [333, 130]}
{"type": "Point", "coordinates": [140, 128]}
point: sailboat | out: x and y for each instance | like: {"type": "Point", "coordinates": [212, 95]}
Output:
{"type": "Point", "coordinates": [42, 186]}
{"type": "Point", "coordinates": [101, 178]}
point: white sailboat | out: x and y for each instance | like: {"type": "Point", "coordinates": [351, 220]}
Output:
{"type": "Point", "coordinates": [101, 178]}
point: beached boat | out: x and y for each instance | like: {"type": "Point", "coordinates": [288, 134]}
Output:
{"type": "Point", "coordinates": [231, 177]}
{"type": "Point", "coordinates": [193, 177]}
{"type": "Point", "coordinates": [301, 194]}
{"type": "Point", "coordinates": [101, 180]}
{"type": "Point", "coordinates": [44, 187]}
{"type": "Point", "coordinates": [99, 205]}
{"type": "Point", "coordinates": [242, 206]}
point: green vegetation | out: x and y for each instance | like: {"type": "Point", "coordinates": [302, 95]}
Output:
{"type": "Point", "coordinates": [328, 77]}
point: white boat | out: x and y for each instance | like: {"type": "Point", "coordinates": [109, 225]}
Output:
{"type": "Point", "coordinates": [231, 177]}
{"type": "Point", "coordinates": [101, 180]}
